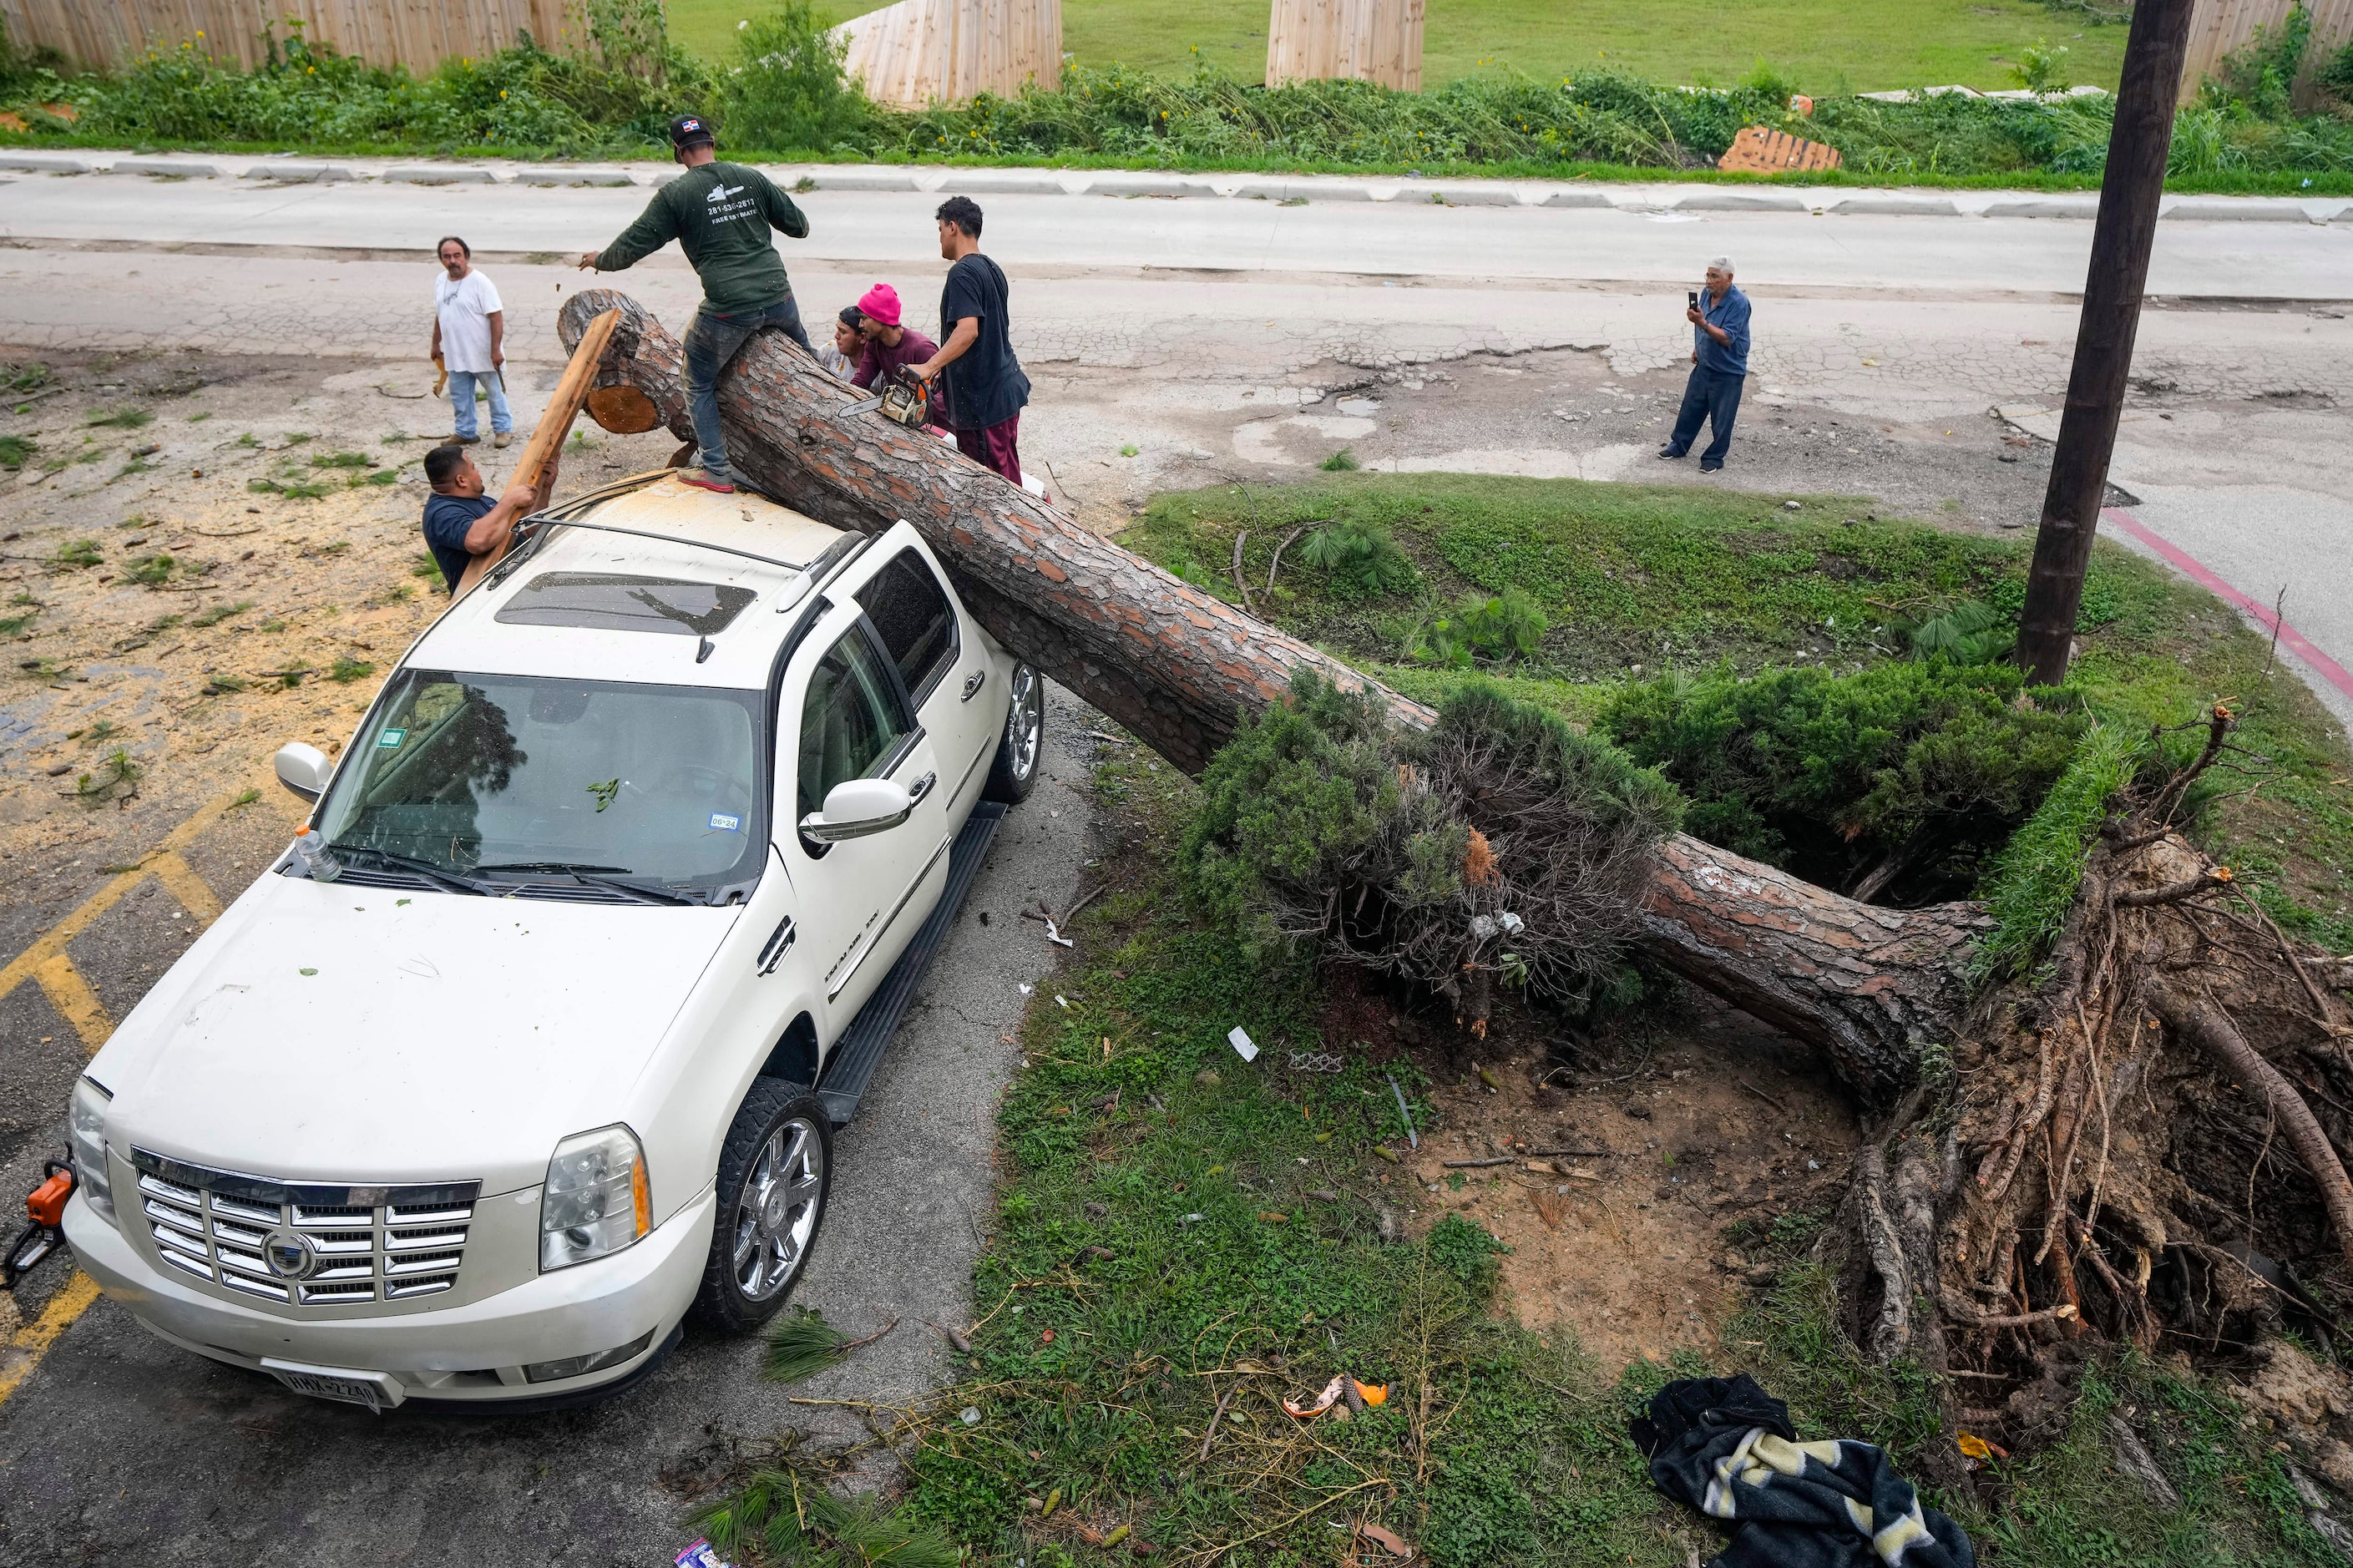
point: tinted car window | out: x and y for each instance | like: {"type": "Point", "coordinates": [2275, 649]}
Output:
{"type": "Point", "coordinates": [910, 610]}
{"type": "Point", "coordinates": [851, 721]}
{"type": "Point", "coordinates": [618, 603]}
{"type": "Point", "coordinates": [467, 771]}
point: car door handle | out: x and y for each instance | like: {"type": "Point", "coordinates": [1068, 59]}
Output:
{"type": "Point", "coordinates": [922, 787]}
{"type": "Point", "coordinates": [972, 684]}
{"type": "Point", "coordinates": [779, 943]}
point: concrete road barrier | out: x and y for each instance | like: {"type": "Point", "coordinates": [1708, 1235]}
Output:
{"type": "Point", "coordinates": [1002, 183]}
{"type": "Point", "coordinates": [439, 175]}
{"type": "Point", "coordinates": [572, 177]}
{"type": "Point", "coordinates": [300, 174]}
{"type": "Point", "coordinates": [2238, 211]}
{"type": "Point", "coordinates": [170, 168]}
{"type": "Point", "coordinates": [863, 179]}
{"type": "Point", "coordinates": [2046, 207]}
{"type": "Point", "coordinates": [43, 162]}
{"type": "Point", "coordinates": [1741, 201]}
{"type": "Point", "coordinates": [1573, 199]}
{"type": "Point", "coordinates": [1896, 206]}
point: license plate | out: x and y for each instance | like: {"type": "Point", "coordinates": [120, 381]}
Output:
{"type": "Point", "coordinates": [372, 1389]}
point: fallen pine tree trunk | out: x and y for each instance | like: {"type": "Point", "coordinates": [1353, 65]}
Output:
{"type": "Point", "coordinates": [1995, 1214]}
{"type": "Point", "coordinates": [1178, 667]}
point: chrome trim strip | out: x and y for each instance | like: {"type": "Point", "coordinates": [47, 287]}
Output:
{"type": "Point", "coordinates": [270, 1191]}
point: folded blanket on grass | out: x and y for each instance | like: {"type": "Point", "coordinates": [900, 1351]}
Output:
{"type": "Point", "coordinates": [1726, 1447]}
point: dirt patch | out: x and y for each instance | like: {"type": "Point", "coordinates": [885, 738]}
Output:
{"type": "Point", "coordinates": [1638, 1182]}
{"type": "Point", "coordinates": [205, 556]}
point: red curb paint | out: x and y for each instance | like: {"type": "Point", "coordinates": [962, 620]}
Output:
{"type": "Point", "coordinates": [2188, 565]}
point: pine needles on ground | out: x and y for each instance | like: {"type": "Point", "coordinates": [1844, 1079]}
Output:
{"type": "Point", "coordinates": [801, 1343]}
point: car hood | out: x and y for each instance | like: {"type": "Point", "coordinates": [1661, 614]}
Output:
{"type": "Point", "coordinates": [325, 1032]}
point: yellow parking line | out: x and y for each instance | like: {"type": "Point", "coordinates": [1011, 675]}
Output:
{"type": "Point", "coordinates": [180, 881]}
{"type": "Point", "coordinates": [70, 994]}
{"type": "Point", "coordinates": [32, 1341]}
{"type": "Point", "coordinates": [45, 963]}
{"type": "Point", "coordinates": [52, 942]}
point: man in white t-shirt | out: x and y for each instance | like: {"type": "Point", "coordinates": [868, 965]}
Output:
{"type": "Point", "coordinates": [469, 328]}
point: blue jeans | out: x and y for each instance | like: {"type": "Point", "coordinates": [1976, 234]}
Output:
{"type": "Point", "coordinates": [463, 383]}
{"type": "Point", "coordinates": [1714, 396]}
{"type": "Point", "coordinates": [711, 342]}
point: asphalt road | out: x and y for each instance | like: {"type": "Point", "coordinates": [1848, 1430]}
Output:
{"type": "Point", "coordinates": [122, 1448]}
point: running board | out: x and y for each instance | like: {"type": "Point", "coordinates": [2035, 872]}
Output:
{"type": "Point", "coordinates": [860, 1051]}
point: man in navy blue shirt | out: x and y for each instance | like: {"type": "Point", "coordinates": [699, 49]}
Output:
{"type": "Point", "coordinates": [460, 522]}
{"type": "Point", "coordinates": [1719, 367]}
{"type": "Point", "coordinates": [987, 389]}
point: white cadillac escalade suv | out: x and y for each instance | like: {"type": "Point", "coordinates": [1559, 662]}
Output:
{"type": "Point", "coordinates": [531, 1045]}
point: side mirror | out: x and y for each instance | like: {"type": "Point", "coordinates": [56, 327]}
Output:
{"type": "Point", "coordinates": [856, 808]}
{"type": "Point", "coordinates": [304, 769]}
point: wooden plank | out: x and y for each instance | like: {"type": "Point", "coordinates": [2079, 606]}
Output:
{"type": "Point", "coordinates": [1346, 41]}
{"type": "Point", "coordinates": [1762, 150]}
{"type": "Point", "coordinates": [554, 422]}
{"type": "Point", "coordinates": [920, 52]}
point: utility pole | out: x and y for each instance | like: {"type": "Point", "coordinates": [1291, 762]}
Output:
{"type": "Point", "coordinates": [2129, 190]}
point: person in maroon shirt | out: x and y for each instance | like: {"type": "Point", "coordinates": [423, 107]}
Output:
{"type": "Point", "coordinates": [889, 346]}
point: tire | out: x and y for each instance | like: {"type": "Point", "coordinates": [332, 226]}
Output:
{"type": "Point", "coordinates": [1022, 745]}
{"type": "Point", "coordinates": [758, 1249]}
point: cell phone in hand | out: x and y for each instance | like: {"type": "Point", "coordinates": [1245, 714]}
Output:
{"type": "Point", "coordinates": [1693, 296]}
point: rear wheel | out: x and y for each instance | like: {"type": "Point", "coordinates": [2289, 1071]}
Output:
{"type": "Point", "coordinates": [776, 1170]}
{"type": "Point", "coordinates": [1019, 750]}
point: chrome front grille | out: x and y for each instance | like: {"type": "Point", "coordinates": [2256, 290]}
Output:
{"type": "Point", "coordinates": [305, 1244]}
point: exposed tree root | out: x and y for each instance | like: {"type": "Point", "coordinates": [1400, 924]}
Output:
{"type": "Point", "coordinates": [2144, 1145]}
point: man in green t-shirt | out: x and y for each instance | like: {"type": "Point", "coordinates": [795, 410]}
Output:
{"type": "Point", "coordinates": [720, 213]}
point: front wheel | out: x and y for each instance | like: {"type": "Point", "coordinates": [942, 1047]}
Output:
{"type": "Point", "coordinates": [1019, 749]}
{"type": "Point", "coordinates": [775, 1173]}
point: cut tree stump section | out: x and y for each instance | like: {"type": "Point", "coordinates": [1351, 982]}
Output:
{"type": "Point", "coordinates": [1346, 41]}
{"type": "Point", "coordinates": [921, 52]}
{"type": "Point", "coordinates": [1179, 667]}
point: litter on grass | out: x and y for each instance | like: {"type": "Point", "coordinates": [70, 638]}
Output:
{"type": "Point", "coordinates": [1241, 1043]}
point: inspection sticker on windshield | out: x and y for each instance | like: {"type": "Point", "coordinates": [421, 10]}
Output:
{"type": "Point", "coordinates": [722, 823]}
{"type": "Point", "coordinates": [391, 739]}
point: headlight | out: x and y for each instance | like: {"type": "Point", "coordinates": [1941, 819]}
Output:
{"type": "Point", "coordinates": [86, 1122]}
{"type": "Point", "coordinates": [595, 1200]}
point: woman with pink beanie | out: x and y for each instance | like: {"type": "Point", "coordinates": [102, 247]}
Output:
{"type": "Point", "coordinates": [889, 346]}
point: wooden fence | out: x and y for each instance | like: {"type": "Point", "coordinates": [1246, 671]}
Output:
{"type": "Point", "coordinates": [2221, 28]}
{"type": "Point", "coordinates": [418, 34]}
{"type": "Point", "coordinates": [921, 52]}
{"type": "Point", "coordinates": [1349, 40]}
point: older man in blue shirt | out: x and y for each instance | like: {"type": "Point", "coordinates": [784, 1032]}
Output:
{"type": "Point", "coordinates": [1719, 367]}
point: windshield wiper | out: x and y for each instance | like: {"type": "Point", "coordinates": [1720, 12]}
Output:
{"type": "Point", "coordinates": [439, 874]}
{"type": "Point", "coordinates": [591, 876]}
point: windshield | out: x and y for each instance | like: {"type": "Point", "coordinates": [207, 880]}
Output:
{"type": "Point", "coordinates": [471, 774]}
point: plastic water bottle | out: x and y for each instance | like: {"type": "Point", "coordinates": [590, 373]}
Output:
{"type": "Point", "coordinates": [311, 850]}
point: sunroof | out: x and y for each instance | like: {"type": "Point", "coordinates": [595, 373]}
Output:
{"type": "Point", "coordinates": [614, 603]}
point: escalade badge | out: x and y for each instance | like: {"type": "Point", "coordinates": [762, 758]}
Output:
{"type": "Point", "coordinates": [289, 1254]}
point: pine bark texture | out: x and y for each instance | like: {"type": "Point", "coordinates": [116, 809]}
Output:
{"type": "Point", "coordinates": [1870, 986]}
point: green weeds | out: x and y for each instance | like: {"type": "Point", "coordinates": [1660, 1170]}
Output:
{"type": "Point", "coordinates": [114, 783]}
{"type": "Point", "coordinates": [346, 669]}
{"type": "Point", "coordinates": [78, 553]}
{"type": "Point", "coordinates": [1342, 461]}
{"type": "Point", "coordinates": [15, 451]}
{"type": "Point", "coordinates": [214, 615]}
{"type": "Point", "coordinates": [122, 420]}
{"type": "Point", "coordinates": [153, 570]}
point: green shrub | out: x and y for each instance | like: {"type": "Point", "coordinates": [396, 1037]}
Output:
{"type": "Point", "coordinates": [1500, 844]}
{"type": "Point", "coordinates": [1342, 461]}
{"type": "Point", "coordinates": [1970, 633]}
{"type": "Point", "coordinates": [787, 87]}
{"type": "Point", "coordinates": [1498, 627]}
{"type": "Point", "coordinates": [15, 451]}
{"type": "Point", "coordinates": [1899, 779]}
{"type": "Point", "coordinates": [1359, 559]}
{"type": "Point", "coordinates": [2030, 885]}
{"type": "Point", "coordinates": [2336, 77]}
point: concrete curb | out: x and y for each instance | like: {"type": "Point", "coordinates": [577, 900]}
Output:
{"type": "Point", "coordinates": [1132, 184]}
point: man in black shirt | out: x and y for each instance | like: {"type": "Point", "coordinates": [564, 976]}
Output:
{"type": "Point", "coordinates": [986, 386]}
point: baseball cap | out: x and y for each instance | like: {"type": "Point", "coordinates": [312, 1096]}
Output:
{"type": "Point", "coordinates": [690, 129]}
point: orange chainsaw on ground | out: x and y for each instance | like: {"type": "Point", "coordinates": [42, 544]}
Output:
{"type": "Point", "coordinates": [45, 1207]}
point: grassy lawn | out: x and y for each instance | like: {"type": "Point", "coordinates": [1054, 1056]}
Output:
{"type": "Point", "coordinates": [1636, 580]}
{"type": "Point", "coordinates": [1182, 1240]}
{"type": "Point", "coordinates": [1825, 46]}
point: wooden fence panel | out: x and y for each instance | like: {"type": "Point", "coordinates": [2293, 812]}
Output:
{"type": "Point", "coordinates": [1348, 40]}
{"type": "Point", "coordinates": [2221, 27]}
{"type": "Point", "coordinates": [921, 52]}
{"type": "Point", "coordinates": [418, 34]}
